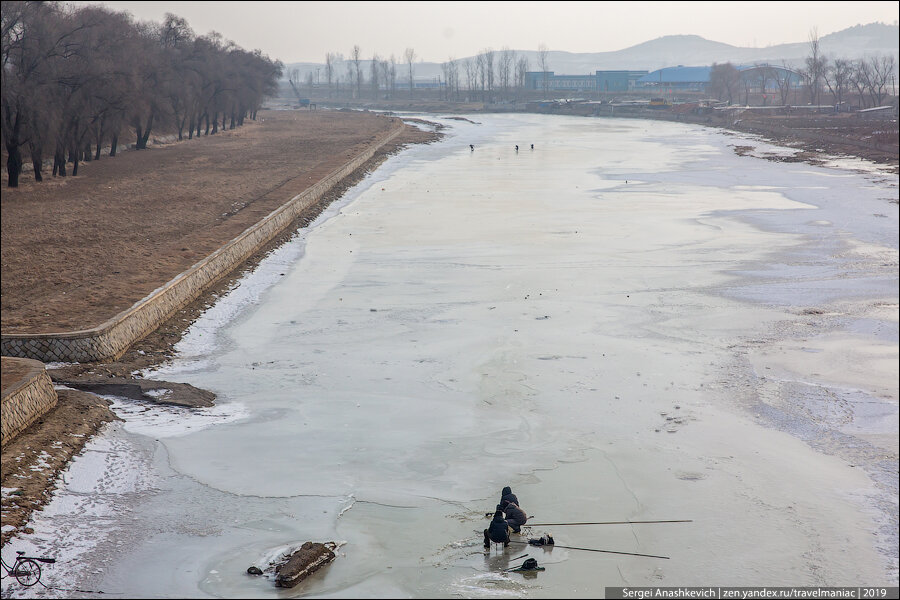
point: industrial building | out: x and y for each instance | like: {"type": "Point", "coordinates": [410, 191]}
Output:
{"type": "Point", "coordinates": [604, 81]}
{"type": "Point", "coordinates": [765, 78]}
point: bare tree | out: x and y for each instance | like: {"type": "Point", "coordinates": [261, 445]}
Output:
{"type": "Point", "coordinates": [724, 81]}
{"type": "Point", "coordinates": [544, 66]}
{"type": "Point", "coordinates": [881, 70]}
{"type": "Point", "coordinates": [837, 78]}
{"type": "Point", "coordinates": [481, 71]}
{"type": "Point", "coordinates": [815, 66]}
{"type": "Point", "coordinates": [351, 76]}
{"type": "Point", "coordinates": [445, 70]}
{"type": "Point", "coordinates": [35, 38]}
{"type": "Point", "coordinates": [859, 78]}
{"type": "Point", "coordinates": [453, 77]}
{"type": "Point", "coordinates": [504, 69]}
{"type": "Point", "coordinates": [784, 79]}
{"type": "Point", "coordinates": [521, 70]}
{"type": "Point", "coordinates": [331, 60]}
{"type": "Point", "coordinates": [393, 75]}
{"type": "Point", "coordinates": [409, 55]}
{"type": "Point", "coordinates": [356, 72]}
{"type": "Point", "coordinates": [384, 74]}
{"type": "Point", "coordinates": [488, 64]}
{"type": "Point", "coordinates": [373, 75]}
{"type": "Point", "coordinates": [471, 76]}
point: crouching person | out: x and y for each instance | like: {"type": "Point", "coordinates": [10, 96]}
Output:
{"type": "Point", "coordinates": [497, 531]}
{"type": "Point", "coordinates": [515, 517]}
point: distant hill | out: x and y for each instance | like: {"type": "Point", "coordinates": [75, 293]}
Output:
{"type": "Point", "coordinates": [689, 50]}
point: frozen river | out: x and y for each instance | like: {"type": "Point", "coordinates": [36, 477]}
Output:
{"type": "Point", "coordinates": [628, 322]}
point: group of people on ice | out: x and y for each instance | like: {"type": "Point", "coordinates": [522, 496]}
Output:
{"type": "Point", "coordinates": [508, 518]}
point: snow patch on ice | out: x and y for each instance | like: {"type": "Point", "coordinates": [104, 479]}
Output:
{"type": "Point", "coordinates": [162, 421]}
{"type": "Point", "coordinates": [86, 512]}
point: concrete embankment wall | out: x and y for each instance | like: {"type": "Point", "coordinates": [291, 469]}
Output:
{"type": "Point", "coordinates": [26, 400]}
{"type": "Point", "coordinates": [111, 339]}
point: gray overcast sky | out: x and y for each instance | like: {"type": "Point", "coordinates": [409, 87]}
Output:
{"type": "Point", "coordinates": [305, 31]}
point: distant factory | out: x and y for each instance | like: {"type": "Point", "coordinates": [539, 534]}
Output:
{"type": "Point", "coordinates": [680, 78]}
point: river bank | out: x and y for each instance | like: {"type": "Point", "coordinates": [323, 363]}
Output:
{"type": "Point", "coordinates": [77, 250]}
{"type": "Point", "coordinates": [813, 135]}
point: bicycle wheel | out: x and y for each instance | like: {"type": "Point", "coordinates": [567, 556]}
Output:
{"type": "Point", "coordinates": [28, 572]}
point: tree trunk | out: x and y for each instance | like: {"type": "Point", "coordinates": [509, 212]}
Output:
{"type": "Point", "coordinates": [73, 153]}
{"type": "Point", "coordinates": [14, 156]}
{"type": "Point", "coordinates": [99, 139]}
{"type": "Point", "coordinates": [88, 156]}
{"type": "Point", "coordinates": [143, 136]}
{"type": "Point", "coordinates": [146, 138]}
{"type": "Point", "coordinates": [113, 144]}
{"type": "Point", "coordinates": [59, 161]}
{"type": "Point", "coordinates": [232, 119]}
{"type": "Point", "coordinates": [37, 163]}
{"type": "Point", "coordinates": [215, 123]}
{"type": "Point", "coordinates": [13, 167]}
{"type": "Point", "coordinates": [37, 160]}
{"type": "Point", "coordinates": [206, 116]}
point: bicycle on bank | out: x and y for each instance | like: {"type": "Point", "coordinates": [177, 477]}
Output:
{"type": "Point", "coordinates": [25, 569]}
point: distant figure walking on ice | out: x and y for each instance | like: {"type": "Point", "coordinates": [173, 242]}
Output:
{"type": "Point", "coordinates": [517, 147]}
{"type": "Point", "coordinates": [532, 146]}
{"type": "Point", "coordinates": [472, 147]}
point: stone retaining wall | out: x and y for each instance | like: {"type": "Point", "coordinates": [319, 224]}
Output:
{"type": "Point", "coordinates": [25, 401]}
{"type": "Point", "coordinates": [111, 339]}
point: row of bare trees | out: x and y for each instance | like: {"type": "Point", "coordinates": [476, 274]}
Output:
{"type": "Point", "coordinates": [488, 76]}
{"type": "Point", "coordinates": [501, 82]}
{"type": "Point", "coordinates": [869, 80]}
{"type": "Point", "coordinates": [77, 77]}
{"type": "Point", "coordinates": [379, 77]}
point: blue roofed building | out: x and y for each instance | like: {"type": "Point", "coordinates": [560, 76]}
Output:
{"type": "Point", "coordinates": [763, 78]}
{"type": "Point", "coordinates": [694, 79]}
{"type": "Point", "coordinates": [604, 81]}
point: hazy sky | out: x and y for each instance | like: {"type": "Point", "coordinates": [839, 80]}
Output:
{"type": "Point", "coordinates": [305, 31]}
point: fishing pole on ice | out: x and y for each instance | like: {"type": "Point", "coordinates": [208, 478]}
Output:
{"type": "Point", "coordinates": [604, 551]}
{"type": "Point", "coordinates": [608, 523]}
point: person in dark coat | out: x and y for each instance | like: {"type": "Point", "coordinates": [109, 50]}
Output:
{"type": "Point", "coordinates": [515, 516]}
{"type": "Point", "coordinates": [497, 531]}
{"type": "Point", "coordinates": [506, 496]}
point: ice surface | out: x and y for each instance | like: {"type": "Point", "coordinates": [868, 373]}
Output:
{"type": "Point", "coordinates": [589, 322]}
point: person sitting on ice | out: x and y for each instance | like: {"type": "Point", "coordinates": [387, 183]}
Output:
{"type": "Point", "coordinates": [497, 531]}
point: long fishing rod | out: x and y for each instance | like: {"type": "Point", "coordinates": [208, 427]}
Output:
{"type": "Point", "coordinates": [608, 523]}
{"type": "Point", "coordinates": [604, 551]}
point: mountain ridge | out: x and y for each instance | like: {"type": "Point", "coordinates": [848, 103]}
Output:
{"type": "Point", "coordinates": [855, 42]}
